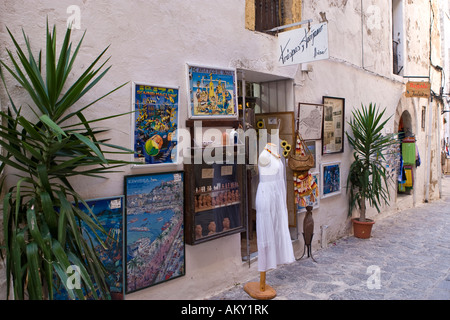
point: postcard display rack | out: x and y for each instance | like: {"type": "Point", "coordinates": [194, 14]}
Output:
{"type": "Point", "coordinates": [215, 201]}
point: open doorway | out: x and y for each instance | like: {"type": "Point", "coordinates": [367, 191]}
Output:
{"type": "Point", "coordinates": [407, 142]}
{"type": "Point", "coordinates": [261, 93]}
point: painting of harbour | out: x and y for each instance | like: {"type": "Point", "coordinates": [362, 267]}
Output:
{"type": "Point", "coordinates": [154, 229]}
{"type": "Point", "coordinates": [109, 213]}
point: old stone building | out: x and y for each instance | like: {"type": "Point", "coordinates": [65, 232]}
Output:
{"type": "Point", "coordinates": [374, 48]}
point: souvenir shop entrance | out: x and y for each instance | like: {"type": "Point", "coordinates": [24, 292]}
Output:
{"type": "Point", "coordinates": [266, 101]}
{"type": "Point", "coordinates": [407, 142]}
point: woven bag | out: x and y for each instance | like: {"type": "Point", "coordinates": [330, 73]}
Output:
{"type": "Point", "coordinates": [302, 159]}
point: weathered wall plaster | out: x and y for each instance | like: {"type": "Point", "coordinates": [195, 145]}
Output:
{"type": "Point", "coordinates": [152, 41]}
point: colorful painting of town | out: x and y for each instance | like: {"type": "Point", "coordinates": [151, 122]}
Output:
{"type": "Point", "coordinates": [155, 229]}
{"type": "Point", "coordinates": [212, 92]}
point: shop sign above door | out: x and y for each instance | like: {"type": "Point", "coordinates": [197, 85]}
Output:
{"type": "Point", "coordinates": [303, 45]}
{"type": "Point", "coordinates": [418, 89]}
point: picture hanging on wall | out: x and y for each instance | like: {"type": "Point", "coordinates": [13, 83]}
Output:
{"type": "Point", "coordinates": [310, 121]}
{"type": "Point", "coordinates": [333, 125]}
{"type": "Point", "coordinates": [311, 195]}
{"type": "Point", "coordinates": [155, 250]}
{"type": "Point", "coordinates": [212, 92]}
{"type": "Point", "coordinates": [311, 145]}
{"type": "Point", "coordinates": [155, 124]}
{"type": "Point", "coordinates": [331, 179]}
{"type": "Point", "coordinates": [110, 214]}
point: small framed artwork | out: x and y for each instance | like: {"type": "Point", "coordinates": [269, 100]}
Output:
{"type": "Point", "coordinates": [212, 92]}
{"type": "Point", "coordinates": [331, 179]}
{"type": "Point", "coordinates": [333, 125]}
{"type": "Point", "coordinates": [154, 229]}
{"type": "Point", "coordinates": [311, 197]}
{"type": "Point", "coordinates": [155, 123]}
{"type": "Point", "coordinates": [110, 214]}
{"type": "Point", "coordinates": [311, 145]}
{"type": "Point", "coordinates": [310, 121]}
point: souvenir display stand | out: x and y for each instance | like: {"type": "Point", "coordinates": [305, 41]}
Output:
{"type": "Point", "coordinates": [215, 192]}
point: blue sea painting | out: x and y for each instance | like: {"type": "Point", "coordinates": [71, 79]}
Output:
{"type": "Point", "coordinates": [154, 229]}
{"type": "Point", "coordinates": [331, 179]}
{"type": "Point", "coordinates": [109, 213]}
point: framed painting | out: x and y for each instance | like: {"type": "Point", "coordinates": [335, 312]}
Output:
{"type": "Point", "coordinates": [311, 145]}
{"type": "Point", "coordinates": [333, 125]}
{"type": "Point", "coordinates": [310, 121]}
{"type": "Point", "coordinates": [155, 122]}
{"type": "Point", "coordinates": [212, 92]}
{"type": "Point", "coordinates": [311, 198]}
{"type": "Point", "coordinates": [331, 179]}
{"type": "Point", "coordinates": [110, 214]}
{"type": "Point", "coordinates": [155, 250]}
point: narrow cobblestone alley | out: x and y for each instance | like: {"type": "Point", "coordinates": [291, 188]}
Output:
{"type": "Point", "coordinates": [407, 258]}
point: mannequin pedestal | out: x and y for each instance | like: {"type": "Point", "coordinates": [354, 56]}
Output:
{"type": "Point", "coordinates": [260, 290]}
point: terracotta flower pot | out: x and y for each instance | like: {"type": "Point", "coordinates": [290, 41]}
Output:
{"type": "Point", "coordinates": [361, 229]}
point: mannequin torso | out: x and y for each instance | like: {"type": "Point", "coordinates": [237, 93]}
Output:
{"type": "Point", "coordinates": [269, 160]}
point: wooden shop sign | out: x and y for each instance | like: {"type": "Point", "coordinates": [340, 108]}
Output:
{"type": "Point", "coordinates": [418, 89]}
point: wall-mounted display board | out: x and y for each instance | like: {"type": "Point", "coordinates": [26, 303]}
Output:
{"type": "Point", "coordinates": [215, 187]}
{"type": "Point", "coordinates": [333, 125]}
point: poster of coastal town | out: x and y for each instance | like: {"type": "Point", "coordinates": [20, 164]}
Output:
{"type": "Point", "coordinates": [154, 229]}
{"type": "Point", "coordinates": [155, 124]}
{"type": "Point", "coordinates": [109, 213]}
{"type": "Point", "coordinates": [212, 92]}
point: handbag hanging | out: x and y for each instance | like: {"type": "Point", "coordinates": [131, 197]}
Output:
{"type": "Point", "coordinates": [302, 159]}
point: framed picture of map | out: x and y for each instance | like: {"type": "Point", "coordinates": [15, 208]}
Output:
{"type": "Point", "coordinates": [333, 125]}
{"type": "Point", "coordinates": [310, 121]}
{"type": "Point", "coordinates": [155, 250]}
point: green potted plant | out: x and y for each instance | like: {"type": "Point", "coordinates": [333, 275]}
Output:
{"type": "Point", "coordinates": [367, 180]}
{"type": "Point", "coordinates": [45, 143]}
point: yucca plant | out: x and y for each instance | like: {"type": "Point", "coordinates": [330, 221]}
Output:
{"type": "Point", "coordinates": [45, 143]}
{"type": "Point", "coordinates": [367, 179]}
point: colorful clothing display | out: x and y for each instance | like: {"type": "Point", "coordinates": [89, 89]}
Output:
{"type": "Point", "coordinates": [304, 186]}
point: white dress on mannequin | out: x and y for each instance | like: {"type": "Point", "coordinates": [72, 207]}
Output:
{"type": "Point", "coordinates": [272, 225]}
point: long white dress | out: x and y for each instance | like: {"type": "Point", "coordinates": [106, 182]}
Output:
{"type": "Point", "coordinates": [272, 225]}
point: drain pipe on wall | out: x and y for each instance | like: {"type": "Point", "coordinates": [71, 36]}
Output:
{"type": "Point", "coordinates": [428, 167]}
{"type": "Point", "coordinates": [438, 151]}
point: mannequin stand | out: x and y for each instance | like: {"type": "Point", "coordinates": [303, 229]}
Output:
{"type": "Point", "coordinates": [307, 248]}
{"type": "Point", "coordinates": [260, 290]}
{"type": "Point", "coordinates": [308, 232]}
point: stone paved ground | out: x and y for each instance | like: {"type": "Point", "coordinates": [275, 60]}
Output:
{"type": "Point", "coordinates": [411, 250]}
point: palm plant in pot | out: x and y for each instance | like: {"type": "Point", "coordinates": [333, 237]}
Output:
{"type": "Point", "coordinates": [367, 180]}
{"type": "Point", "coordinates": [45, 143]}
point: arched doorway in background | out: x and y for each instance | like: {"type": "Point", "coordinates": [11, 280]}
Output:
{"type": "Point", "coordinates": [406, 139]}
{"type": "Point", "coordinates": [405, 124]}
